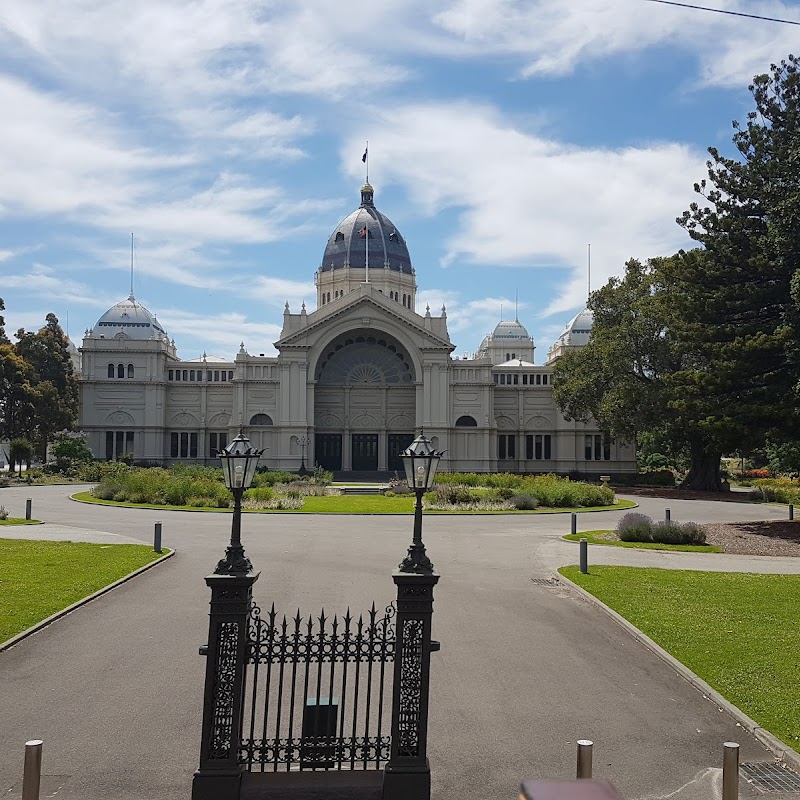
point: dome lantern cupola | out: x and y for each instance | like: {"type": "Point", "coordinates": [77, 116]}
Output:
{"type": "Point", "coordinates": [366, 247]}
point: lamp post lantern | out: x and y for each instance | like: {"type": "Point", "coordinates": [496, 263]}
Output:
{"type": "Point", "coordinates": [239, 461]}
{"type": "Point", "coordinates": [421, 461]}
{"type": "Point", "coordinates": [303, 442]}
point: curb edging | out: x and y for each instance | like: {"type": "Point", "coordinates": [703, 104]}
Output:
{"type": "Point", "coordinates": [782, 752]}
{"type": "Point", "coordinates": [83, 601]}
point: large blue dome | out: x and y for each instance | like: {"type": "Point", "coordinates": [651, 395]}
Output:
{"type": "Point", "coordinates": [366, 233]}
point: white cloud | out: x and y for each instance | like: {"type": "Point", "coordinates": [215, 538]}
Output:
{"type": "Point", "coordinates": [527, 201]}
{"type": "Point", "coordinates": [277, 291]}
{"type": "Point", "coordinates": [44, 282]}
{"type": "Point", "coordinates": [221, 333]}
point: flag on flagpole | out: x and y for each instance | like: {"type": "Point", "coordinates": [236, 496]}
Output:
{"type": "Point", "coordinates": [364, 157]}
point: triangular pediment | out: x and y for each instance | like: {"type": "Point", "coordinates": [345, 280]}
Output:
{"type": "Point", "coordinates": [363, 308]}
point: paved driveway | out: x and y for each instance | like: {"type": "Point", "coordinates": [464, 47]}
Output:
{"type": "Point", "coordinates": [114, 688]}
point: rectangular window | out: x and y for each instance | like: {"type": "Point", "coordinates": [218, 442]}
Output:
{"type": "Point", "coordinates": [171, 374]}
{"type": "Point", "coordinates": [538, 379]}
{"type": "Point", "coordinates": [588, 448]}
{"type": "Point", "coordinates": [192, 445]}
{"type": "Point", "coordinates": [538, 450]}
{"type": "Point", "coordinates": [598, 448]}
{"type": "Point", "coordinates": [208, 375]}
{"type": "Point", "coordinates": [191, 374]}
{"type": "Point", "coordinates": [230, 375]}
{"type": "Point", "coordinates": [216, 375]}
{"type": "Point", "coordinates": [119, 444]}
{"type": "Point", "coordinates": [173, 445]}
{"type": "Point", "coordinates": [524, 380]}
{"type": "Point", "coordinates": [224, 375]}
{"type": "Point", "coordinates": [606, 450]}
{"type": "Point", "coordinates": [496, 378]}
{"type": "Point", "coordinates": [186, 374]}
{"type": "Point", "coordinates": [223, 441]}
{"type": "Point", "coordinates": [529, 447]}
{"type": "Point", "coordinates": [548, 449]}
{"type": "Point", "coordinates": [212, 444]}
{"type": "Point", "coordinates": [516, 380]}
{"type": "Point", "coordinates": [184, 445]}
{"type": "Point", "coordinates": [109, 445]}
{"type": "Point", "coordinates": [544, 379]}
{"type": "Point", "coordinates": [129, 442]}
{"type": "Point", "coordinates": [505, 446]}
{"type": "Point", "coordinates": [502, 380]}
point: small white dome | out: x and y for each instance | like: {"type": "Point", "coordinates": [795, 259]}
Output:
{"type": "Point", "coordinates": [578, 329]}
{"type": "Point", "coordinates": [510, 329]}
{"type": "Point", "coordinates": [130, 318]}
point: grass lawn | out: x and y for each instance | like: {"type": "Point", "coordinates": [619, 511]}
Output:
{"type": "Point", "coordinates": [738, 632]}
{"type": "Point", "coordinates": [19, 521]}
{"type": "Point", "coordinates": [349, 504]}
{"type": "Point", "coordinates": [595, 537]}
{"type": "Point", "coordinates": [38, 579]}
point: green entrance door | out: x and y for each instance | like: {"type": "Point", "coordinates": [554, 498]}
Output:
{"type": "Point", "coordinates": [395, 444]}
{"type": "Point", "coordinates": [328, 450]}
{"type": "Point", "coordinates": [365, 452]}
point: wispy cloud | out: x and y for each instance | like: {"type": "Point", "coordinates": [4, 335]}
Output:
{"type": "Point", "coordinates": [528, 201]}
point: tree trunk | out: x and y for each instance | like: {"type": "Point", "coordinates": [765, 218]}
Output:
{"type": "Point", "coordinates": [703, 473]}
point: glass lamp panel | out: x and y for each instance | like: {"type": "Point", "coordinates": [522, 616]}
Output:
{"type": "Point", "coordinates": [227, 469]}
{"type": "Point", "coordinates": [252, 463]}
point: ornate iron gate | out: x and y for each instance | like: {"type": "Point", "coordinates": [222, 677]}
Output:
{"type": "Point", "coordinates": [317, 693]}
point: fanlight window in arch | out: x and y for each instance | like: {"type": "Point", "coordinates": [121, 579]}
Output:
{"type": "Point", "coordinates": [261, 419]}
{"type": "Point", "coordinates": [364, 360]}
{"type": "Point", "coordinates": [466, 422]}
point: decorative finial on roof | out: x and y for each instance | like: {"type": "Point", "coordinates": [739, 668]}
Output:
{"type": "Point", "coordinates": [427, 309]}
{"type": "Point", "coordinates": [444, 310]}
{"type": "Point", "coordinates": [204, 355]}
{"type": "Point", "coordinates": [286, 308]}
{"type": "Point", "coordinates": [241, 348]}
{"type": "Point", "coordinates": [303, 307]}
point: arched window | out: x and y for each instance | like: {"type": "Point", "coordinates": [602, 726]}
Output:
{"type": "Point", "coordinates": [508, 356]}
{"type": "Point", "coordinates": [186, 374]}
{"type": "Point", "coordinates": [329, 297]}
{"type": "Point", "coordinates": [191, 374]}
{"type": "Point", "coordinates": [130, 370]}
{"type": "Point", "coordinates": [466, 422]}
{"type": "Point", "coordinates": [110, 370]}
{"type": "Point", "coordinates": [120, 370]}
{"type": "Point", "coordinates": [261, 419]}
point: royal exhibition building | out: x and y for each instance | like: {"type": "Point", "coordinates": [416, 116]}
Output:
{"type": "Point", "coordinates": [353, 382]}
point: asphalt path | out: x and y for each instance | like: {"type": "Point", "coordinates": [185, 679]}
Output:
{"type": "Point", "coordinates": [115, 688]}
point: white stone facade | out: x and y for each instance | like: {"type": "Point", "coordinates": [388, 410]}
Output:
{"type": "Point", "coordinates": [353, 382]}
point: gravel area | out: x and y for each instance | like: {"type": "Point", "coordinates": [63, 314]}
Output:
{"type": "Point", "coordinates": [777, 538]}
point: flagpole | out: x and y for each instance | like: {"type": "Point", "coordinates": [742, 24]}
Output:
{"type": "Point", "coordinates": [366, 237]}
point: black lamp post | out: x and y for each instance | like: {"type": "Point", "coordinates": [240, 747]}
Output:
{"type": "Point", "coordinates": [421, 461]}
{"type": "Point", "coordinates": [303, 442]}
{"type": "Point", "coordinates": [239, 461]}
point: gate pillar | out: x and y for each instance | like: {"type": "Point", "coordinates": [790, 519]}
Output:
{"type": "Point", "coordinates": [407, 775]}
{"type": "Point", "coordinates": [220, 775]}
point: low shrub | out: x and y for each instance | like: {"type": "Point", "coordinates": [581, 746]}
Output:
{"type": "Point", "coordinates": [259, 494]}
{"type": "Point", "coordinates": [389, 493]}
{"type": "Point", "coordinates": [321, 477]}
{"type": "Point", "coordinates": [501, 493]}
{"type": "Point", "coordinates": [524, 502]}
{"type": "Point", "coordinates": [461, 478]}
{"type": "Point", "coordinates": [656, 477]}
{"type": "Point", "coordinates": [452, 494]}
{"type": "Point", "coordinates": [756, 474]}
{"type": "Point", "coordinates": [105, 491]}
{"type": "Point", "coordinates": [635, 528]}
{"type": "Point", "coordinates": [3, 513]}
{"type": "Point", "coordinates": [267, 477]}
{"type": "Point", "coordinates": [640, 528]}
{"type": "Point", "coordinates": [778, 490]}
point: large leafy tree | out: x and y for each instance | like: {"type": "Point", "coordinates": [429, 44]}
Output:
{"type": "Point", "coordinates": [55, 386]}
{"type": "Point", "coordinates": [717, 378]}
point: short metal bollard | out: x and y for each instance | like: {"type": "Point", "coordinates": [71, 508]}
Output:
{"type": "Point", "coordinates": [791, 511]}
{"type": "Point", "coordinates": [585, 556]}
{"type": "Point", "coordinates": [584, 759]}
{"type": "Point", "coordinates": [32, 775]}
{"type": "Point", "coordinates": [667, 515]}
{"type": "Point", "coordinates": [573, 523]}
{"type": "Point", "coordinates": [157, 537]}
{"type": "Point", "coordinates": [730, 771]}
{"type": "Point", "coordinates": [28, 507]}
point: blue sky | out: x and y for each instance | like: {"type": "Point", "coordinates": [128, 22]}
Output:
{"type": "Point", "coordinates": [227, 135]}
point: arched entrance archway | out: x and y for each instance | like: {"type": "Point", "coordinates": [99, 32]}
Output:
{"type": "Point", "coordinates": [364, 402]}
